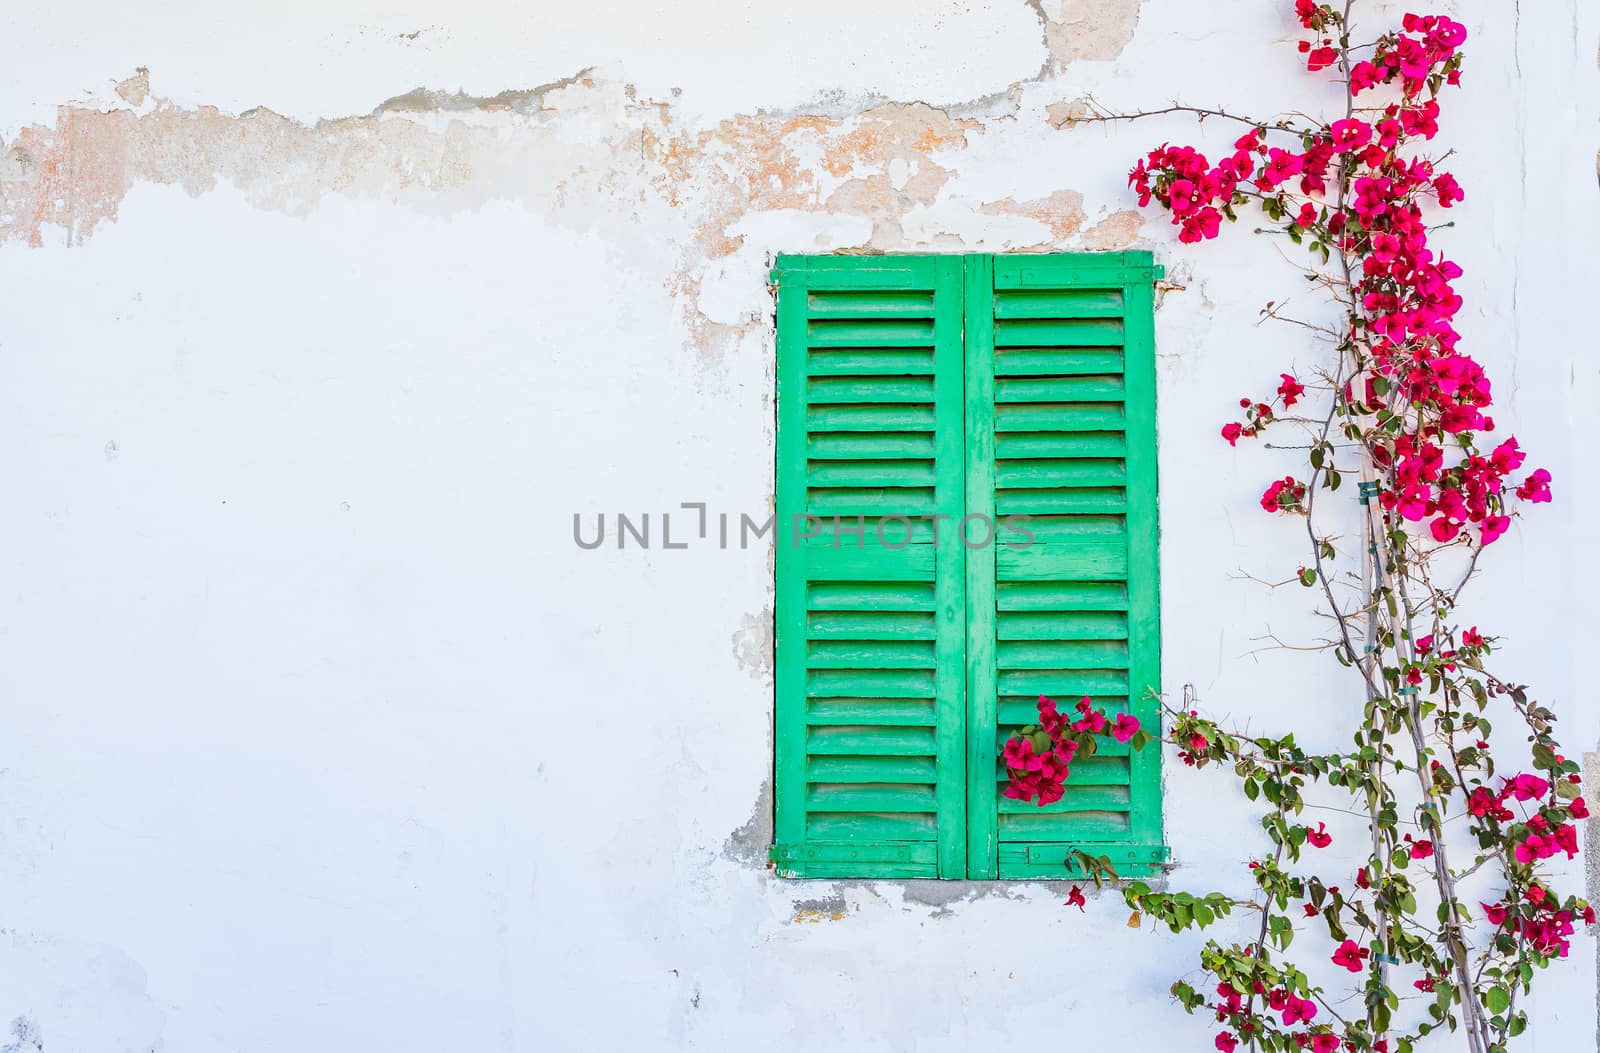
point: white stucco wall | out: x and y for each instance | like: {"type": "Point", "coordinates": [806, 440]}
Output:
{"type": "Point", "coordinates": [320, 733]}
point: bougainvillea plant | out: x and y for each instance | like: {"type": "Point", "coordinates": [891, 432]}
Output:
{"type": "Point", "coordinates": [1444, 926]}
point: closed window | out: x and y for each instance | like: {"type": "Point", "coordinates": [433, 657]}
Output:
{"type": "Point", "coordinates": [966, 515]}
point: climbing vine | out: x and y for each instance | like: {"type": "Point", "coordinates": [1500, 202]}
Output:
{"type": "Point", "coordinates": [1466, 795]}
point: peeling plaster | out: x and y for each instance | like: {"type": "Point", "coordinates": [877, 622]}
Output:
{"type": "Point", "coordinates": [1067, 113]}
{"type": "Point", "coordinates": [136, 88]}
{"type": "Point", "coordinates": [1062, 214]}
{"type": "Point", "coordinates": [1087, 30]}
{"type": "Point", "coordinates": [748, 844]}
{"type": "Point", "coordinates": [752, 645]}
{"type": "Point", "coordinates": [572, 150]}
{"type": "Point", "coordinates": [524, 101]}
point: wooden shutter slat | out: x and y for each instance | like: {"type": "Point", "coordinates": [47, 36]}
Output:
{"type": "Point", "coordinates": [1058, 303]}
{"type": "Point", "coordinates": [857, 305]}
{"type": "Point", "coordinates": [1040, 332]}
{"type": "Point", "coordinates": [1058, 361]}
{"type": "Point", "coordinates": [876, 712]}
{"type": "Point", "coordinates": [852, 361]}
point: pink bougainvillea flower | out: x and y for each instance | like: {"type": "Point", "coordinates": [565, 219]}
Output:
{"type": "Point", "coordinates": [1281, 165]}
{"type": "Point", "coordinates": [1290, 389]}
{"type": "Point", "coordinates": [1319, 838]}
{"type": "Point", "coordinates": [1181, 193]}
{"type": "Point", "coordinates": [1321, 58]}
{"type": "Point", "coordinates": [1092, 721]}
{"type": "Point", "coordinates": [1200, 226]}
{"type": "Point", "coordinates": [1577, 808]}
{"type": "Point", "coordinates": [1325, 1042]}
{"type": "Point", "coordinates": [1447, 190]}
{"type": "Point", "coordinates": [1526, 787]}
{"type": "Point", "coordinates": [1298, 1010]}
{"type": "Point", "coordinates": [1444, 530]}
{"type": "Point", "coordinates": [1535, 489]}
{"type": "Point", "coordinates": [1231, 432]}
{"type": "Point", "coordinates": [1364, 75]}
{"type": "Point", "coordinates": [1421, 120]}
{"type": "Point", "coordinates": [1349, 955]}
{"type": "Point", "coordinates": [1283, 494]}
{"type": "Point", "coordinates": [1351, 134]}
{"type": "Point", "coordinates": [1421, 849]}
{"type": "Point", "coordinates": [1495, 912]}
{"type": "Point", "coordinates": [1507, 457]}
{"type": "Point", "coordinates": [1481, 802]}
{"type": "Point", "coordinates": [1535, 848]}
{"type": "Point", "coordinates": [1125, 727]}
{"type": "Point", "coordinates": [1226, 1042]}
{"type": "Point", "coordinates": [1493, 527]}
{"type": "Point", "coordinates": [1075, 898]}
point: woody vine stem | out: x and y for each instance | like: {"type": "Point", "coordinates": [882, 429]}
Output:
{"type": "Point", "coordinates": [1467, 797]}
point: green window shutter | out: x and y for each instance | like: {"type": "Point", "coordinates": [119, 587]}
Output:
{"type": "Point", "coordinates": [870, 626]}
{"type": "Point", "coordinates": [943, 387]}
{"type": "Point", "coordinates": [1061, 429]}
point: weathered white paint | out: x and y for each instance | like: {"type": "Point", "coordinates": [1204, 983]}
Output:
{"type": "Point", "coordinates": [321, 734]}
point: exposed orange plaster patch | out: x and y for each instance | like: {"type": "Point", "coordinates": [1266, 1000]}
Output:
{"type": "Point", "coordinates": [1067, 113]}
{"type": "Point", "coordinates": [816, 917]}
{"type": "Point", "coordinates": [1061, 211]}
{"type": "Point", "coordinates": [1087, 30]}
{"type": "Point", "coordinates": [1117, 231]}
{"type": "Point", "coordinates": [134, 90]}
{"type": "Point", "coordinates": [72, 176]}
{"type": "Point", "coordinates": [876, 165]}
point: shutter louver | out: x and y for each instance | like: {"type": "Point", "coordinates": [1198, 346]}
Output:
{"type": "Point", "coordinates": [1061, 423]}
{"type": "Point", "coordinates": [870, 622]}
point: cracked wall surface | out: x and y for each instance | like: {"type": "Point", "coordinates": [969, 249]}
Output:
{"type": "Point", "coordinates": [323, 734]}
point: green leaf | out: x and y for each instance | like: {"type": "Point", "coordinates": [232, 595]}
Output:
{"type": "Point", "coordinates": [1498, 999]}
